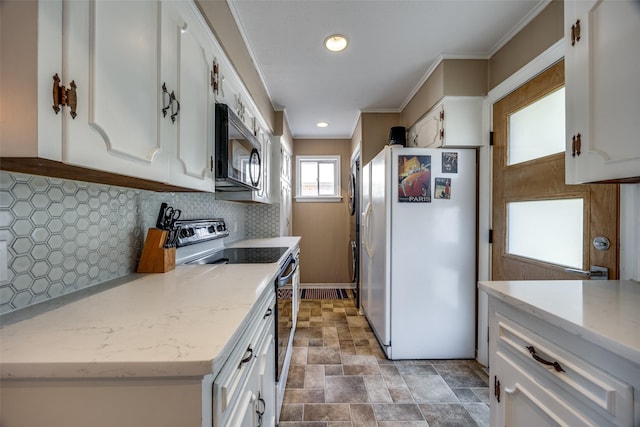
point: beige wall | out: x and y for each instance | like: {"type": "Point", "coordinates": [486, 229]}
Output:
{"type": "Point", "coordinates": [221, 21]}
{"type": "Point", "coordinates": [18, 64]}
{"type": "Point", "coordinates": [426, 97]}
{"type": "Point", "coordinates": [451, 77]}
{"type": "Point", "coordinates": [542, 32]}
{"type": "Point", "coordinates": [324, 227]}
{"type": "Point", "coordinates": [375, 133]}
{"type": "Point", "coordinates": [356, 138]}
{"type": "Point", "coordinates": [465, 77]}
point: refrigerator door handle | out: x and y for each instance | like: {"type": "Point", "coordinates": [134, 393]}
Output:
{"type": "Point", "coordinates": [367, 230]}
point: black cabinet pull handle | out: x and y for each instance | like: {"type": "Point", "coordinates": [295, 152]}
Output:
{"type": "Point", "coordinates": [174, 113]}
{"type": "Point", "coordinates": [539, 359]}
{"type": "Point", "coordinates": [268, 313]}
{"type": "Point", "coordinates": [259, 411]}
{"type": "Point", "coordinates": [167, 105]}
{"type": "Point", "coordinates": [248, 358]}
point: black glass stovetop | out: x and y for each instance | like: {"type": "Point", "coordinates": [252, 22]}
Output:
{"type": "Point", "coordinates": [243, 256]}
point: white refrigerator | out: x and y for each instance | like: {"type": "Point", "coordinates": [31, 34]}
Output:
{"type": "Point", "coordinates": [418, 251]}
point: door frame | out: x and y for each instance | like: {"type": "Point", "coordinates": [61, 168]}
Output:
{"type": "Point", "coordinates": [543, 61]}
{"type": "Point", "coordinates": [629, 239]}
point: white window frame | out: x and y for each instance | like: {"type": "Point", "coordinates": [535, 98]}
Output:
{"type": "Point", "coordinates": [337, 189]}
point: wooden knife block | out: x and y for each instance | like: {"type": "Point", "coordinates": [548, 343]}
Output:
{"type": "Point", "coordinates": [155, 257]}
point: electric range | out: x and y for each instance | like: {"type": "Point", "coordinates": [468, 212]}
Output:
{"type": "Point", "coordinates": [199, 241]}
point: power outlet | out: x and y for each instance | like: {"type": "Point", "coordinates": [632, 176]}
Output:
{"type": "Point", "coordinates": [3, 261]}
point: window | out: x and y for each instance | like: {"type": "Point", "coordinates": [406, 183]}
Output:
{"type": "Point", "coordinates": [547, 230]}
{"type": "Point", "coordinates": [318, 179]}
{"type": "Point", "coordinates": [538, 129]}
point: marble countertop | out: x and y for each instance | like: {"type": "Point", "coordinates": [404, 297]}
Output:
{"type": "Point", "coordinates": [180, 323]}
{"type": "Point", "coordinates": [604, 312]}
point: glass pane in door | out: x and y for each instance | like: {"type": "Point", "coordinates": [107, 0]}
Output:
{"type": "Point", "coordinates": [547, 230]}
{"type": "Point", "coordinates": [538, 129]}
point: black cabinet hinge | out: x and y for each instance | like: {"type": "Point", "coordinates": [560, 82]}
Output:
{"type": "Point", "coordinates": [491, 138]}
{"type": "Point", "coordinates": [490, 236]}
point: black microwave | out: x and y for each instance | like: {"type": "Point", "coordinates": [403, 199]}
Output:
{"type": "Point", "coordinates": [237, 150]}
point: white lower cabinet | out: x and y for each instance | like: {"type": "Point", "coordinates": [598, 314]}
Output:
{"type": "Point", "coordinates": [555, 380]}
{"type": "Point", "coordinates": [244, 391]}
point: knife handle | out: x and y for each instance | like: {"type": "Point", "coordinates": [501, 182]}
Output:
{"type": "Point", "coordinates": [160, 221]}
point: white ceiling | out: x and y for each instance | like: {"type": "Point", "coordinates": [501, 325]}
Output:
{"type": "Point", "coordinates": [393, 44]}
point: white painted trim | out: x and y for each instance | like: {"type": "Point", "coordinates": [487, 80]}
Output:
{"type": "Point", "coordinates": [630, 232]}
{"type": "Point", "coordinates": [515, 30]}
{"type": "Point", "coordinates": [254, 60]}
{"type": "Point", "coordinates": [504, 40]}
{"type": "Point", "coordinates": [421, 82]}
{"type": "Point", "coordinates": [543, 61]}
{"type": "Point", "coordinates": [546, 59]}
{"type": "Point", "coordinates": [333, 158]}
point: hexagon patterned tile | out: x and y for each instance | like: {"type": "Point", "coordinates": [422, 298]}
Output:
{"type": "Point", "coordinates": [65, 235]}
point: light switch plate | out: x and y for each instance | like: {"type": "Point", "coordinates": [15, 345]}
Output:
{"type": "Point", "coordinates": [3, 261]}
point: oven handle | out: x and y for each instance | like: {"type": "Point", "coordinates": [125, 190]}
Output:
{"type": "Point", "coordinates": [284, 279]}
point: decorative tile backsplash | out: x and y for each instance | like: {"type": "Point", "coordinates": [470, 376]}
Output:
{"type": "Point", "coordinates": [65, 235]}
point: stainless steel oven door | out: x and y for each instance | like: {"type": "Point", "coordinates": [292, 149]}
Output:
{"type": "Point", "coordinates": [285, 318]}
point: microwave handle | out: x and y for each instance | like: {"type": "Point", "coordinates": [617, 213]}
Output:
{"type": "Point", "coordinates": [255, 180]}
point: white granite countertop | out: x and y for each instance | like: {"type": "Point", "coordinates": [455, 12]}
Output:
{"type": "Point", "coordinates": [604, 312]}
{"type": "Point", "coordinates": [180, 323]}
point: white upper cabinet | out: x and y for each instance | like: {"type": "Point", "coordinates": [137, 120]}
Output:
{"type": "Point", "coordinates": [113, 52]}
{"type": "Point", "coordinates": [453, 122]}
{"type": "Point", "coordinates": [140, 78]}
{"type": "Point", "coordinates": [188, 65]}
{"type": "Point", "coordinates": [602, 60]}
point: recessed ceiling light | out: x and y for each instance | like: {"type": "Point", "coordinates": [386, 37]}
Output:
{"type": "Point", "coordinates": [335, 42]}
{"type": "Point", "coordinates": [322, 124]}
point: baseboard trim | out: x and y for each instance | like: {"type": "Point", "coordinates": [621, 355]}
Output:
{"type": "Point", "coordinates": [327, 285]}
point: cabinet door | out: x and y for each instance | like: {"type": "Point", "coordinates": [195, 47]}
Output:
{"type": "Point", "coordinates": [285, 165]}
{"type": "Point", "coordinates": [285, 209]}
{"type": "Point", "coordinates": [267, 396]}
{"type": "Point", "coordinates": [602, 95]}
{"type": "Point", "coordinates": [518, 399]}
{"type": "Point", "coordinates": [428, 130]}
{"type": "Point", "coordinates": [461, 121]}
{"type": "Point", "coordinates": [112, 52]}
{"type": "Point", "coordinates": [244, 415]}
{"type": "Point", "coordinates": [187, 73]}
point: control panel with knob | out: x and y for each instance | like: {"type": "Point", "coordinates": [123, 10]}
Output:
{"type": "Point", "coordinates": [199, 230]}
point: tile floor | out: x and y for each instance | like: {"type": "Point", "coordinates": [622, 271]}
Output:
{"type": "Point", "coordinates": [340, 377]}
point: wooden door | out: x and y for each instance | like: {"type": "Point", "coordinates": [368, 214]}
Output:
{"type": "Point", "coordinates": [543, 179]}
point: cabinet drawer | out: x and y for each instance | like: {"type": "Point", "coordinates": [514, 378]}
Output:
{"type": "Point", "coordinates": [230, 383]}
{"type": "Point", "coordinates": [602, 398]}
